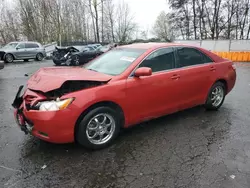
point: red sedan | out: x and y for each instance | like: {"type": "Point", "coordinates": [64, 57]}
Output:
{"type": "Point", "coordinates": [123, 87]}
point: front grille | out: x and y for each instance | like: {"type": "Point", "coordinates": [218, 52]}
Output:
{"type": "Point", "coordinates": [29, 101]}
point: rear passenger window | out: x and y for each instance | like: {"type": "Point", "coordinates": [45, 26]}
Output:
{"type": "Point", "coordinates": [31, 45]}
{"type": "Point", "coordinates": [191, 56]}
{"type": "Point", "coordinates": [160, 60]}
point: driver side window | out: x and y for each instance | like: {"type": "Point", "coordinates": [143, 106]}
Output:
{"type": "Point", "coordinates": [160, 60]}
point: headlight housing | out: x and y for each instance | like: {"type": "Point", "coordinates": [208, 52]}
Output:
{"type": "Point", "coordinates": [54, 105]}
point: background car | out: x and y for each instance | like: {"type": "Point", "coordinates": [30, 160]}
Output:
{"type": "Point", "coordinates": [22, 51]}
{"type": "Point", "coordinates": [61, 54]}
{"type": "Point", "coordinates": [95, 46]}
{"type": "Point", "coordinates": [123, 87]}
{"type": "Point", "coordinates": [75, 55]}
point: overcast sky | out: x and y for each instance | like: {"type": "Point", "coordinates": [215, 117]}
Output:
{"type": "Point", "coordinates": [146, 11]}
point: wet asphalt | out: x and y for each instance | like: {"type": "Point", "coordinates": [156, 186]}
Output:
{"type": "Point", "coordinates": [189, 149]}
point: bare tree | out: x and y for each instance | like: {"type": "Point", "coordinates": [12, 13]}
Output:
{"type": "Point", "coordinates": [214, 18]}
{"type": "Point", "coordinates": [110, 17]}
{"type": "Point", "coordinates": [125, 24]}
{"type": "Point", "coordinates": [161, 27]}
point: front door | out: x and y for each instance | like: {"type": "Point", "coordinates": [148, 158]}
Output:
{"type": "Point", "coordinates": [155, 95]}
{"type": "Point", "coordinates": [20, 51]}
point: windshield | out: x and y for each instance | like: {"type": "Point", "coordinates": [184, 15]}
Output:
{"type": "Point", "coordinates": [10, 45]}
{"type": "Point", "coordinates": [115, 61]}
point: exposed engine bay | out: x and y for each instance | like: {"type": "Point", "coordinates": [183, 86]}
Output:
{"type": "Point", "coordinates": [33, 100]}
{"type": "Point", "coordinates": [72, 86]}
{"type": "Point", "coordinates": [61, 55]}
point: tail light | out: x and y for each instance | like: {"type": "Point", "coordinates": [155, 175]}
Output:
{"type": "Point", "coordinates": [234, 66]}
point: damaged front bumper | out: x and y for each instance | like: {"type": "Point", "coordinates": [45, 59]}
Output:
{"type": "Point", "coordinates": [25, 125]}
{"type": "Point", "coordinates": [51, 126]}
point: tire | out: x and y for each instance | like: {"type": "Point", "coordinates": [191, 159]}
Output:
{"type": "Point", "coordinates": [90, 128]}
{"type": "Point", "coordinates": [39, 57]}
{"type": "Point", "coordinates": [9, 58]}
{"type": "Point", "coordinates": [56, 62]}
{"type": "Point", "coordinates": [75, 60]}
{"type": "Point", "coordinates": [213, 103]}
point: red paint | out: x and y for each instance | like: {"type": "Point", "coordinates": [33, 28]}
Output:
{"type": "Point", "coordinates": [141, 98]}
{"type": "Point", "coordinates": [49, 78]}
{"type": "Point", "coordinates": [143, 71]}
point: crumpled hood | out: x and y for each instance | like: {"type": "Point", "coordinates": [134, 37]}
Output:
{"type": "Point", "coordinates": [50, 78]}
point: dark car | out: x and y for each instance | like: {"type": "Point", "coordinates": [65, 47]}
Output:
{"type": "Point", "coordinates": [1, 65]}
{"type": "Point", "coordinates": [60, 54]}
{"type": "Point", "coordinates": [73, 56]}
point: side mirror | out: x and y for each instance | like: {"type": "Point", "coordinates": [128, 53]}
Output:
{"type": "Point", "coordinates": [17, 48]}
{"type": "Point", "coordinates": [143, 71]}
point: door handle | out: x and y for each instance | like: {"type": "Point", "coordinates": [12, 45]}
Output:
{"type": "Point", "coordinates": [212, 68]}
{"type": "Point", "coordinates": [175, 77]}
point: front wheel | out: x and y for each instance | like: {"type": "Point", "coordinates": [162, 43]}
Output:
{"type": "Point", "coordinates": [56, 62]}
{"type": "Point", "coordinates": [75, 60]}
{"type": "Point", "coordinates": [98, 128]}
{"type": "Point", "coordinates": [216, 96]}
{"type": "Point", "coordinates": [9, 58]}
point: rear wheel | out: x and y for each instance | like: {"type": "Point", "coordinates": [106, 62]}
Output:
{"type": "Point", "coordinates": [9, 58]}
{"type": "Point", "coordinates": [98, 128]}
{"type": "Point", "coordinates": [216, 96]}
{"type": "Point", "coordinates": [39, 57]}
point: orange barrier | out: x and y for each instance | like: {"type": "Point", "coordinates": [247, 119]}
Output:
{"type": "Point", "coordinates": [235, 56]}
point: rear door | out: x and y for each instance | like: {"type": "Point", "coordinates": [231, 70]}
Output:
{"type": "Point", "coordinates": [31, 50]}
{"type": "Point", "coordinates": [197, 73]}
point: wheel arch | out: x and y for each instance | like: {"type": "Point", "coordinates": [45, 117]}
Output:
{"type": "Point", "coordinates": [40, 54]}
{"type": "Point", "coordinates": [14, 57]}
{"type": "Point", "coordinates": [110, 104]}
{"type": "Point", "coordinates": [224, 81]}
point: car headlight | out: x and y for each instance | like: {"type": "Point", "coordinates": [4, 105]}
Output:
{"type": "Point", "coordinates": [54, 105]}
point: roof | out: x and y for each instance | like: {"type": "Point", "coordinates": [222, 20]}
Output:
{"type": "Point", "coordinates": [24, 42]}
{"type": "Point", "coordinates": [152, 45]}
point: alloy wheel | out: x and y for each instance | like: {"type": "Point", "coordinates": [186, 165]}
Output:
{"type": "Point", "coordinates": [76, 60]}
{"type": "Point", "coordinates": [100, 128]}
{"type": "Point", "coordinates": [217, 96]}
{"type": "Point", "coordinates": [39, 57]}
{"type": "Point", "coordinates": [9, 58]}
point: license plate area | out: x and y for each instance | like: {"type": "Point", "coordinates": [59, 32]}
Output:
{"type": "Point", "coordinates": [18, 99]}
{"type": "Point", "coordinates": [23, 123]}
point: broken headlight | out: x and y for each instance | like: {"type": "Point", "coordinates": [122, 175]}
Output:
{"type": "Point", "coordinates": [54, 105]}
